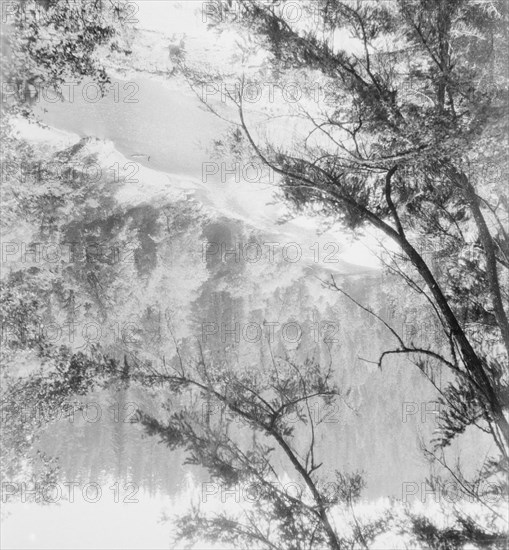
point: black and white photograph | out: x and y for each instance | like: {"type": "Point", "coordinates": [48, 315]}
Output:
{"type": "Point", "coordinates": [254, 288]}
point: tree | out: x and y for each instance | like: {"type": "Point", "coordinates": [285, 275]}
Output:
{"type": "Point", "coordinates": [404, 145]}
{"type": "Point", "coordinates": [406, 163]}
{"type": "Point", "coordinates": [51, 43]}
{"type": "Point", "coordinates": [46, 392]}
{"type": "Point", "coordinates": [276, 404]}
{"type": "Point", "coordinates": [404, 169]}
{"type": "Point", "coordinates": [46, 44]}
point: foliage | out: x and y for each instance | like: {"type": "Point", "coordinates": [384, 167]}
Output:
{"type": "Point", "coordinates": [276, 406]}
{"type": "Point", "coordinates": [402, 145]}
{"type": "Point", "coordinates": [51, 43]}
{"type": "Point", "coordinates": [415, 111]}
